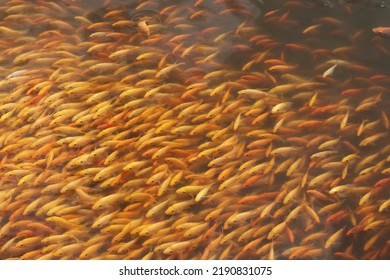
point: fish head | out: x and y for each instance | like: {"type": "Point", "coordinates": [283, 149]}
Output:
{"type": "Point", "coordinates": [382, 31]}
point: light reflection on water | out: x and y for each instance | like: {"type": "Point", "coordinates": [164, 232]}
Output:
{"type": "Point", "coordinates": [109, 119]}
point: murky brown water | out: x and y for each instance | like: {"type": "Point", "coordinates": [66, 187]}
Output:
{"type": "Point", "coordinates": [194, 130]}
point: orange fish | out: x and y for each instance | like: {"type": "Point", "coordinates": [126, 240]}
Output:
{"type": "Point", "coordinates": [382, 31]}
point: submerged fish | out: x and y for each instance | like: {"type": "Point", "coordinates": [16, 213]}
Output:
{"type": "Point", "coordinates": [187, 131]}
{"type": "Point", "coordinates": [382, 31]}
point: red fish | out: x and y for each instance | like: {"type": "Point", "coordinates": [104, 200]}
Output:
{"type": "Point", "coordinates": [382, 183]}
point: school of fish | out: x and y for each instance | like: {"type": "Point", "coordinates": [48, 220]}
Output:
{"type": "Point", "coordinates": [200, 129]}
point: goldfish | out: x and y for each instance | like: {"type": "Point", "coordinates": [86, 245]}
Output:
{"type": "Point", "coordinates": [134, 140]}
{"type": "Point", "coordinates": [382, 31]}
